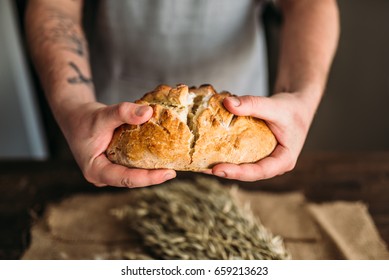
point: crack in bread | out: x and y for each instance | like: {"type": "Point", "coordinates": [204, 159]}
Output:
{"type": "Point", "coordinates": [190, 130]}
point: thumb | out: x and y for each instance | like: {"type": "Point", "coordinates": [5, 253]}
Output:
{"type": "Point", "coordinates": [256, 106]}
{"type": "Point", "coordinates": [127, 112]}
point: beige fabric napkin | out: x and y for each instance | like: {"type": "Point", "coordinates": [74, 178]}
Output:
{"type": "Point", "coordinates": [350, 227]}
{"type": "Point", "coordinates": [81, 227]}
{"type": "Point", "coordinates": [333, 230]}
{"type": "Point", "coordinates": [285, 215]}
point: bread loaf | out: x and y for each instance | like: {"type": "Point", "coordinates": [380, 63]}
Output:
{"type": "Point", "coordinates": [190, 130]}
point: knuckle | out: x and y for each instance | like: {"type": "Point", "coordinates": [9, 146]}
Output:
{"type": "Point", "coordinates": [127, 182]}
{"type": "Point", "coordinates": [91, 179]}
{"type": "Point", "coordinates": [291, 165]}
{"type": "Point", "coordinates": [253, 102]}
{"type": "Point", "coordinates": [91, 176]}
{"type": "Point", "coordinates": [100, 185]}
{"type": "Point", "coordinates": [88, 176]}
{"type": "Point", "coordinates": [262, 173]}
{"type": "Point", "coordinates": [254, 178]}
{"type": "Point", "coordinates": [123, 109]}
{"type": "Point", "coordinates": [248, 174]}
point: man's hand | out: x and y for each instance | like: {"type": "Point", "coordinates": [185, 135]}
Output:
{"type": "Point", "coordinates": [60, 53]}
{"type": "Point", "coordinates": [89, 131]}
{"type": "Point", "coordinates": [289, 119]}
{"type": "Point", "coordinates": [308, 41]}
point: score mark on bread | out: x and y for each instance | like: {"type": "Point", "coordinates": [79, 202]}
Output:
{"type": "Point", "coordinates": [190, 130]}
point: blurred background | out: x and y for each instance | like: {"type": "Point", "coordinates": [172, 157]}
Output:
{"type": "Point", "coordinates": [354, 111]}
{"type": "Point", "coordinates": [352, 116]}
{"type": "Point", "coordinates": [351, 119]}
{"type": "Point", "coordinates": [22, 132]}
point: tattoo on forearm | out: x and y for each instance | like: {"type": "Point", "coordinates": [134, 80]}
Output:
{"type": "Point", "coordinates": [61, 29]}
{"type": "Point", "coordinates": [77, 45]}
{"type": "Point", "coordinates": [66, 34]}
{"type": "Point", "coordinates": [79, 78]}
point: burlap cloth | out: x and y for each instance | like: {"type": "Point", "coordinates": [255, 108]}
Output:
{"type": "Point", "coordinates": [82, 227]}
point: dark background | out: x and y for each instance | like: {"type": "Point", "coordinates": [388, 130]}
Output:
{"type": "Point", "coordinates": [354, 112]}
{"type": "Point", "coordinates": [351, 118]}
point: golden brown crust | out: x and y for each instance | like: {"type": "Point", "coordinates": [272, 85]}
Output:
{"type": "Point", "coordinates": [158, 143]}
{"type": "Point", "coordinates": [183, 135]}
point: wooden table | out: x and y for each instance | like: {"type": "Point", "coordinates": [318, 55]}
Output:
{"type": "Point", "coordinates": [27, 186]}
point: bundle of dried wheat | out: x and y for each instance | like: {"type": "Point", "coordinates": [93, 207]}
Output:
{"type": "Point", "coordinates": [198, 220]}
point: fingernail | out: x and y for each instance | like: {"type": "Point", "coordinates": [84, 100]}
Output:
{"type": "Point", "coordinates": [235, 101]}
{"type": "Point", "coordinates": [141, 110]}
{"type": "Point", "coordinates": [221, 174]}
{"type": "Point", "coordinates": [169, 175]}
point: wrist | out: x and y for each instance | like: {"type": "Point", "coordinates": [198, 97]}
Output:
{"type": "Point", "coordinates": [65, 98]}
{"type": "Point", "coordinates": [309, 95]}
{"type": "Point", "coordinates": [69, 111]}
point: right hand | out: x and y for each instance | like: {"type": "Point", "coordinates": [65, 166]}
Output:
{"type": "Point", "coordinates": [89, 129]}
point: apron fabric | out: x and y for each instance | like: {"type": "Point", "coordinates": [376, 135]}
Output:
{"type": "Point", "coordinates": [139, 44]}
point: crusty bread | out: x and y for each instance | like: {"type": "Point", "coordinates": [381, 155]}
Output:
{"type": "Point", "coordinates": [190, 130]}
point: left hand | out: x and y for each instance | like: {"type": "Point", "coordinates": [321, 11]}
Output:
{"type": "Point", "coordinates": [289, 116]}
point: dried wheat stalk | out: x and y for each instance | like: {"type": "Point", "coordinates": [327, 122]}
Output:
{"type": "Point", "coordinates": [198, 220]}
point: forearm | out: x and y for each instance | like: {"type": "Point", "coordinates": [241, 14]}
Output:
{"type": "Point", "coordinates": [308, 42]}
{"type": "Point", "coordinates": [60, 54]}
